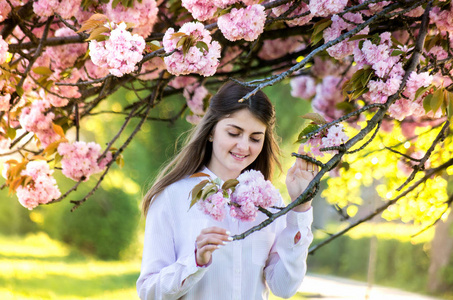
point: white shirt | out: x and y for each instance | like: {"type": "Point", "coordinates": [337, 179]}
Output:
{"type": "Point", "coordinates": [243, 269]}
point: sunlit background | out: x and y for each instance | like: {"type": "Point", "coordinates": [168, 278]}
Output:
{"type": "Point", "coordinates": [95, 252]}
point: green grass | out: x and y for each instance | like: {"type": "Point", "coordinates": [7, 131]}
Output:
{"type": "Point", "coordinates": [37, 267]}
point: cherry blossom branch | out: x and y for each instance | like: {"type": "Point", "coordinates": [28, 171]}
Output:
{"type": "Point", "coordinates": [378, 116]}
{"type": "Point", "coordinates": [380, 209]}
{"type": "Point", "coordinates": [310, 56]}
{"type": "Point", "coordinates": [152, 98]}
{"type": "Point", "coordinates": [402, 154]}
{"type": "Point", "coordinates": [440, 137]}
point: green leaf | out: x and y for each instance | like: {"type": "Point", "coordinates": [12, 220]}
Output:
{"type": "Point", "coordinates": [427, 103]}
{"type": "Point", "coordinates": [11, 133]}
{"type": "Point", "coordinates": [196, 190]}
{"type": "Point", "coordinates": [207, 190]}
{"type": "Point", "coordinates": [230, 183]}
{"type": "Point", "coordinates": [437, 99]}
{"type": "Point", "coordinates": [450, 105]}
{"type": "Point", "coordinates": [202, 46]}
{"type": "Point", "coordinates": [397, 52]}
{"type": "Point", "coordinates": [20, 91]}
{"type": "Point", "coordinates": [315, 117]}
{"type": "Point", "coordinates": [43, 71]}
{"type": "Point", "coordinates": [302, 136]}
{"type": "Point", "coordinates": [321, 25]}
{"type": "Point", "coordinates": [421, 91]}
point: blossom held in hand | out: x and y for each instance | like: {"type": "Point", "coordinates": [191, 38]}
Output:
{"type": "Point", "coordinates": [214, 205]}
{"type": "Point", "coordinates": [253, 191]}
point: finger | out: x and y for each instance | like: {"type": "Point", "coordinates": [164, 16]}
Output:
{"type": "Point", "coordinates": [215, 229]}
{"type": "Point", "coordinates": [210, 241]}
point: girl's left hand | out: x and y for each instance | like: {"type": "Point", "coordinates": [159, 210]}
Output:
{"type": "Point", "coordinates": [298, 178]}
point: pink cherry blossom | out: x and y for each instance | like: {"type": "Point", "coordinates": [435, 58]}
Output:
{"type": "Point", "coordinates": [196, 60]}
{"type": "Point", "coordinates": [43, 187]}
{"type": "Point", "coordinates": [214, 205]}
{"type": "Point", "coordinates": [303, 87]}
{"type": "Point", "coordinates": [273, 49]}
{"type": "Point", "coordinates": [334, 136]}
{"type": "Point", "coordinates": [338, 27]}
{"type": "Point", "coordinates": [36, 119]}
{"type": "Point", "coordinates": [181, 81]}
{"type": "Point", "coordinates": [3, 50]}
{"type": "Point", "coordinates": [119, 53]}
{"type": "Point", "coordinates": [324, 8]}
{"type": "Point", "coordinates": [244, 23]}
{"type": "Point", "coordinates": [301, 9]}
{"type": "Point", "coordinates": [4, 102]}
{"type": "Point", "coordinates": [80, 159]}
{"type": "Point", "coordinates": [64, 56]}
{"type": "Point", "coordinates": [201, 10]}
{"type": "Point", "coordinates": [5, 9]}
{"type": "Point", "coordinates": [374, 8]}
{"type": "Point", "coordinates": [195, 95]}
{"type": "Point", "coordinates": [65, 8]}
{"type": "Point", "coordinates": [328, 95]}
{"type": "Point", "coordinates": [442, 18]}
{"type": "Point", "coordinates": [252, 191]}
{"type": "Point", "coordinates": [143, 15]}
{"type": "Point", "coordinates": [416, 81]}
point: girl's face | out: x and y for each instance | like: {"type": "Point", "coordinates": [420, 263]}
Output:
{"type": "Point", "coordinates": [237, 141]}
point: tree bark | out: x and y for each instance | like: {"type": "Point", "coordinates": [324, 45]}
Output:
{"type": "Point", "coordinates": [441, 253]}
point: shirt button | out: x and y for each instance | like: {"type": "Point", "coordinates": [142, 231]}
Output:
{"type": "Point", "coordinates": [237, 271]}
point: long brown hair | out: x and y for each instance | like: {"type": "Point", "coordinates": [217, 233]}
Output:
{"type": "Point", "coordinates": [197, 150]}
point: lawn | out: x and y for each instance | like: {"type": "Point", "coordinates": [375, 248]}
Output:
{"type": "Point", "coordinates": [37, 267]}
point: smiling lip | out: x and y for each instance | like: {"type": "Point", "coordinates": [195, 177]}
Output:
{"type": "Point", "coordinates": [237, 156]}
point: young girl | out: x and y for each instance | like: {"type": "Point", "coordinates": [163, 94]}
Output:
{"type": "Point", "coordinates": [189, 255]}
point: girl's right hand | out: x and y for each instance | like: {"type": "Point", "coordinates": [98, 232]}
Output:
{"type": "Point", "coordinates": [209, 240]}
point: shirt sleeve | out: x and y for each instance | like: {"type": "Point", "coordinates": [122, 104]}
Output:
{"type": "Point", "coordinates": [287, 264]}
{"type": "Point", "coordinates": [163, 274]}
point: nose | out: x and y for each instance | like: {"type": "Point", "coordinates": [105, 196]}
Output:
{"type": "Point", "coordinates": [243, 144]}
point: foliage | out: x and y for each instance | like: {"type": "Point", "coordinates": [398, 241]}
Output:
{"type": "Point", "coordinates": [371, 66]}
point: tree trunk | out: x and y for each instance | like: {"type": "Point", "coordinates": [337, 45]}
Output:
{"type": "Point", "coordinates": [441, 252]}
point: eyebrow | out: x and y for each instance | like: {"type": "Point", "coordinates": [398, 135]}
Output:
{"type": "Point", "coordinates": [241, 129]}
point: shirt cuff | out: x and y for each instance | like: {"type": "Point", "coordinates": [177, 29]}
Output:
{"type": "Point", "coordinates": [300, 220]}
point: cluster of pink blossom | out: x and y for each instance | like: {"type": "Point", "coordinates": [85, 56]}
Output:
{"type": "Point", "coordinates": [120, 52]}
{"type": "Point", "coordinates": [303, 87]}
{"type": "Point", "coordinates": [5, 9]}
{"type": "Point", "coordinates": [3, 50]}
{"type": "Point", "coordinates": [244, 23]}
{"type": "Point", "coordinates": [328, 95]}
{"type": "Point", "coordinates": [65, 8]}
{"type": "Point", "coordinates": [442, 18]}
{"type": "Point", "coordinates": [143, 15]}
{"type": "Point", "coordinates": [339, 24]}
{"type": "Point", "coordinates": [301, 9]}
{"type": "Point", "coordinates": [36, 119]}
{"type": "Point", "coordinates": [80, 160]}
{"type": "Point", "coordinates": [64, 56]}
{"type": "Point", "coordinates": [387, 68]}
{"type": "Point", "coordinates": [43, 187]}
{"type": "Point", "coordinates": [374, 8]}
{"type": "Point", "coordinates": [90, 71]}
{"type": "Point", "coordinates": [276, 48]}
{"type": "Point", "coordinates": [196, 60]}
{"type": "Point", "coordinates": [409, 106]}
{"type": "Point", "coordinates": [4, 102]}
{"type": "Point", "coordinates": [203, 10]}
{"type": "Point", "coordinates": [324, 8]}
{"type": "Point", "coordinates": [214, 205]}
{"type": "Point", "coordinates": [5, 143]}
{"type": "Point", "coordinates": [252, 191]}
{"type": "Point", "coordinates": [335, 136]}
{"type": "Point", "coordinates": [182, 81]}
{"type": "Point", "coordinates": [195, 95]}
